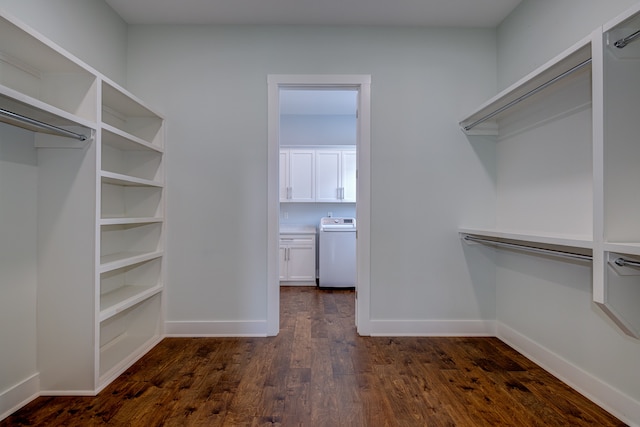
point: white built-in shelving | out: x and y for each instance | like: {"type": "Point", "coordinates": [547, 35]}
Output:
{"type": "Point", "coordinates": [100, 198]}
{"type": "Point", "coordinates": [616, 142]}
{"type": "Point", "coordinates": [131, 227]}
{"type": "Point", "coordinates": [568, 154]}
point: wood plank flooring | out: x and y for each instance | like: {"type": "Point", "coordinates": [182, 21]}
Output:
{"type": "Point", "coordinates": [319, 372]}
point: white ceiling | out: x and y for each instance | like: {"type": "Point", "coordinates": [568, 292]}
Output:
{"type": "Point", "coordinates": [440, 13]}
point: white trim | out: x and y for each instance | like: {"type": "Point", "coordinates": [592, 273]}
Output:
{"type": "Point", "coordinates": [602, 394]}
{"type": "Point", "coordinates": [19, 395]}
{"type": "Point", "coordinates": [251, 328]}
{"type": "Point", "coordinates": [432, 328]}
{"type": "Point", "coordinates": [361, 82]}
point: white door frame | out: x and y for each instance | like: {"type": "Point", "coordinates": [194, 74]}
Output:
{"type": "Point", "coordinates": [362, 83]}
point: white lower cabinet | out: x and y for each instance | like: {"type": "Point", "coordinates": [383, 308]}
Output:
{"type": "Point", "coordinates": [297, 257]}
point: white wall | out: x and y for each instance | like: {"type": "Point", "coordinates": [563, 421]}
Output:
{"type": "Point", "coordinates": [89, 29]}
{"type": "Point", "coordinates": [211, 82]}
{"type": "Point", "coordinates": [546, 304]}
{"type": "Point", "coordinates": [538, 30]}
{"type": "Point", "coordinates": [305, 129]}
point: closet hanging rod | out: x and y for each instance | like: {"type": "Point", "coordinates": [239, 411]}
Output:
{"type": "Point", "coordinates": [623, 262]}
{"type": "Point", "coordinates": [626, 40]}
{"type": "Point", "coordinates": [42, 125]}
{"type": "Point", "coordinates": [527, 95]}
{"type": "Point", "coordinates": [561, 254]}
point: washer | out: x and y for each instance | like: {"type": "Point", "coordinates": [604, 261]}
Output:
{"type": "Point", "coordinates": [337, 253]}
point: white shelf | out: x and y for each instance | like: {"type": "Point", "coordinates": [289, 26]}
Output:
{"type": "Point", "coordinates": [122, 140]}
{"type": "Point", "coordinates": [625, 248]}
{"type": "Point", "coordinates": [119, 99]}
{"type": "Point", "coordinates": [570, 58]}
{"type": "Point", "coordinates": [124, 111]}
{"type": "Point", "coordinates": [584, 242]}
{"type": "Point", "coordinates": [126, 180]}
{"type": "Point", "coordinates": [19, 103]}
{"type": "Point", "coordinates": [127, 335]}
{"type": "Point", "coordinates": [36, 68]}
{"type": "Point", "coordinates": [130, 221]}
{"type": "Point", "coordinates": [123, 298]}
{"type": "Point", "coordinates": [124, 259]}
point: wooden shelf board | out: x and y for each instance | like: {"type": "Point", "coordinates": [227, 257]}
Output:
{"type": "Point", "coordinates": [625, 248]}
{"type": "Point", "coordinates": [126, 221]}
{"type": "Point", "coordinates": [25, 105]}
{"type": "Point", "coordinates": [116, 301]}
{"type": "Point", "coordinates": [568, 59]}
{"type": "Point", "coordinates": [122, 140]}
{"type": "Point", "coordinates": [124, 102]}
{"type": "Point", "coordinates": [126, 180]}
{"type": "Point", "coordinates": [120, 354]}
{"type": "Point", "coordinates": [125, 259]}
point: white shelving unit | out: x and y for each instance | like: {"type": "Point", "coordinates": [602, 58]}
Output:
{"type": "Point", "coordinates": [100, 202]}
{"type": "Point", "coordinates": [131, 229]}
{"type": "Point", "coordinates": [617, 288]}
{"type": "Point", "coordinates": [579, 111]}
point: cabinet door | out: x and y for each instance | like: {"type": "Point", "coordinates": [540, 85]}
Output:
{"type": "Point", "coordinates": [301, 175]}
{"type": "Point", "coordinates": [349, 166]}
{"type": "Point", "coordinates": [302, 263]}
{"type": "Point", "coordinates": [284, 175]}
{"type": "Point", "coordinates": [328, 176]}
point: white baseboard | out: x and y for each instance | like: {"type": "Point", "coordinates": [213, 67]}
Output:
{"type": "Point", "coordinates": [445, 328]}
{"type": "Point", "coordinates": [19, 395]}
{"type": "Point", "coordinates": [610, 399]}
{"type": "Point", "coordinates": [256, 328]}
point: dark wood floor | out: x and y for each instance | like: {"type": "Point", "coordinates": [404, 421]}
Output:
{"type": "Point", "coordinates": [319, 372]}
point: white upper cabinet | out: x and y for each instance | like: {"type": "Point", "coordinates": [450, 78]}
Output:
{"type": "Point", "coordinates": [322, 175]}
{"type": "Point", "coordinates": [328, 176]}
{"type": "Point", "coordinates": [297, 175]}
{"type": "Point", "coordinates": [336, 176]}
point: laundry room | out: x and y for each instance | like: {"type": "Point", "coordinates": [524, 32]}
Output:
{"type": "Point", "coordinates": [318, 136]}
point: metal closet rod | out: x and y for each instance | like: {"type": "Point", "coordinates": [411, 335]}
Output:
{"type": "Point", "coordinates": [533, 249]}
{"type": "Point", "coordinates": [626, 40]}
{"type": "Point", "coordinates": [42, 125]}
{"type": "Point", "coordinates": [623, 262]}
{"type": "Point", "coordinates": [527, 95]}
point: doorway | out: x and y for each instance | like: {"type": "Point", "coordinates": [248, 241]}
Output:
{"type": "Point", "coordinates": [359, 85]}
